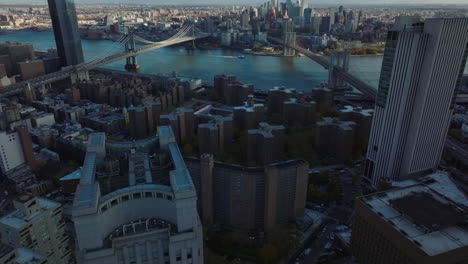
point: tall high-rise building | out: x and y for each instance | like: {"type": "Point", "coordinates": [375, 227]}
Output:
{"type": "Point", "coordinates": [308, 12]}
{"type": "Point", "coordinates": [274, 4]}
{"type": "Point", "coordinates": [422, 68]}
{"type": "Point", "coordinates": [331, 14]}
{"type": "Point", "coordinates": [245, 19]}
{"type": "Point", "coordinates": [67, 35]}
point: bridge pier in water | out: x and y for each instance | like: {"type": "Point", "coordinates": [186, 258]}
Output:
{"type": "Point", "coordinates": [132, 64]}
{"type": "Point", "coordinates": [338, 61]}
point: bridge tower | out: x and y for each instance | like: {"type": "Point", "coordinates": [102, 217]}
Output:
{"type": "Point", "coordinates": [193, 35]}
{"type": "Point", "coordinates": [132, 64]}
{"type": "Point", "coordinates": [289, 38]}
{"type": "Point", "coordinates": [339, 61]}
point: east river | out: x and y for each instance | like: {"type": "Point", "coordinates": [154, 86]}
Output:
{"type": "Point", "coordinates": [262, 71]}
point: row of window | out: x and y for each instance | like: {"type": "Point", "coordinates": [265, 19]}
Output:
{"type": "Point", "coordinates": [142, 250]}
{"type": "Point", "coordinates": [133, 196]}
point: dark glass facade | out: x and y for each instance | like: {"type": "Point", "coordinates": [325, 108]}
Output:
{"type": "Point", "coordinates": [66, 31]}
{"type": "Point", "coordinates": [460, 76]}
{"type": "Point", "coordinates": [387, 66]}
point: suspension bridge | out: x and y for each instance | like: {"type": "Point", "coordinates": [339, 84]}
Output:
{"type": "Point", "coordinates": [112, 54]}
{"type": "Point", "coordinates": [337, 72]}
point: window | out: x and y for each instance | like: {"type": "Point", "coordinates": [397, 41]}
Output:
{"type": "Point", "coordinates": [131, 253]}
{"type": "Point", "coordinates": [154, 250]}
{"type": "Point", "coordinates": [159, 195]}
{"type": "Point", "coordinates": [125, 198]}
{"type": "Point", "coordinates": [136, 195]}
{"type": "Point", "coordinates": [148, 194]}
{"type": "Point", "coordinates": [189, 253]}
{"type": "Point", "coordinates": [143, 253]}
{"type": "Point", "coordinates": [169, 197]}
{"type": "Point", "coordinates": [179, 255]}
{"type": "Point", "coordinates": [113, 202]}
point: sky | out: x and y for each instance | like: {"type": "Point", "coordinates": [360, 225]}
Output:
{"type": "Point", "coordinates": [252, 2]}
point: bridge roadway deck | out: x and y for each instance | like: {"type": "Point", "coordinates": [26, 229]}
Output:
{"type": "Point", "coordinates": [69, 71]}
{"type": "Point", "coordinates": [365, 88]}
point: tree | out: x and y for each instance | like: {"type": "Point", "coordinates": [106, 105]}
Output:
{"type": "Point", "coordinates": [268, 254]}
{"type": "Point", "coordinates": [188, 149]}
{"type": "Point", "coordinates": [283, 238]}
{"type": "Point", "coordinates": [314, 193]}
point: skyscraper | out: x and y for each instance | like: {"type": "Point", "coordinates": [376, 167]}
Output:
{"type": "Point", "coordinates": [422, 68]}
{"type": "Point", "coordinates": [331, 14]}
{"type": "Point", "coordinates": [308, 12]}
{"type": "Point", "coordinates": [67, 35]}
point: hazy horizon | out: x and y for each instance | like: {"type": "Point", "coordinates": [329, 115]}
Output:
{"type": "Point", "coordinates": [249, 2]}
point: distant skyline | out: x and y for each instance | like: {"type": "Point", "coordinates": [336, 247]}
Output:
{"type": "Point", "coordinates": [251, 2]}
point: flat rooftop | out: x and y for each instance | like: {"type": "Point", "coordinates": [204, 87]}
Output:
{"type": "Point", "coordinates": [420, 207]}
{"type": "Point", "coordinates": [18, 220]}
{"type": "Point", "coordinates": [5, 249]}
{"type": "Point", "coordinates": [426, 217]}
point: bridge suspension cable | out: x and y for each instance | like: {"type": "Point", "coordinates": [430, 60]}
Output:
{"type": "Point", "coordinates": [184, 30]}
{"type": "Point", "coordinates": [108, 56]}
{"type": "Point", "coordinates": [116, 43]}
{"type": "Point", "coordinates": [109, 52]}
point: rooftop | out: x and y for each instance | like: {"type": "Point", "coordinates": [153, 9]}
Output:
{"type": "Point", "coordinates": [27, 256]}
{"type": "Point", "coordinates": [420, 208]}
{"type": "Point", "coordinates": [410, 210]}
{"type": "Point", "coordinates": [343, 125]}
{"type": "Point", "coordinates": [283, 89]}
{"type": "Point", "coordinates": [358, 110]}
{"type": "Point", "coordinates": [72, 176]}
{"type": "Point", "coordinates": [18, 219]}
{"type": "Point", "coordinates": [5, 249]}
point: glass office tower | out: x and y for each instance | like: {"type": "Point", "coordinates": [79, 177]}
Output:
{"type": "Point", "coordinates": [66, 31]}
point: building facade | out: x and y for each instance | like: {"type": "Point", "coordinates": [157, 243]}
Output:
{"type": "Point", "coordinates": [249, 198]}
{"type": "Point", "coordinates": [136, 220]}
{"type": "Point", "coordinates": [421, 70]}
{"type": "Point", "coordinates": [182, 122]}
{"type": "Point", "coordinates": [334, 139]}
{"type": "Point", "coordinates": [37, 225]}
{"type": "Point", "coordinates": [422, 222]}
{"type": "Point", "coordinates": [11, 151]}
{"type": "Point", "coordinates": [266, 144]}
{"type": "Point", "coordinates": [66, 31]}
{"type": "Point", "coordinates": [214, 135]}
{"type": "Point", "coordinates": [248, 116]}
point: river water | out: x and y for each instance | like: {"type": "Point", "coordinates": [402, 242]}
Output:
{"type": "Point", "coordinates": [262, 71]}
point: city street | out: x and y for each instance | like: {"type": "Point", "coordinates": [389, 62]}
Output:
{"type": "Point", "coordinates": [317, 246]}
